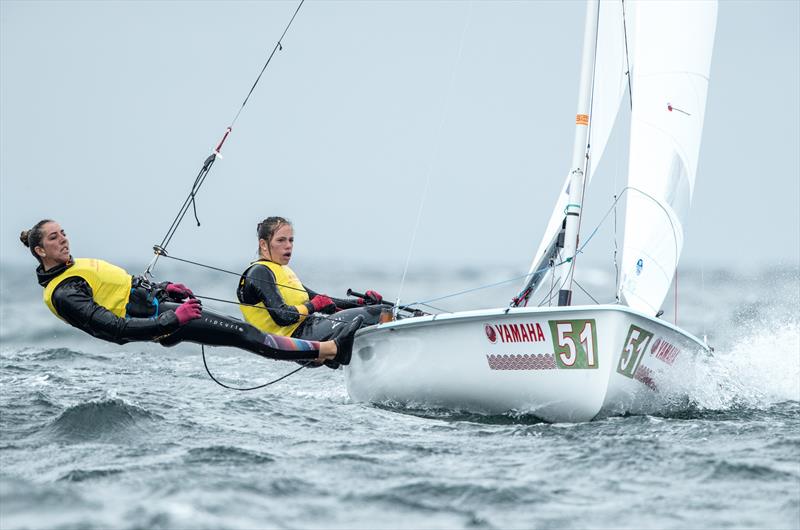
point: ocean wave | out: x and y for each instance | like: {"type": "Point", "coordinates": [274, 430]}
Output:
{"type": "Point", "coordinates": [433, 496]}
{"type": "Point", "coordinates": [80, 475]}
{"type": "Point", "coordinates": [20, 496]}
{"type": "Point", "coordinates": [99, 419]}
{"type": "Point", "coordinates": [455, 415]}
{"type": "Point", "coordinates": [28, 355]}
{"type": "Point", "coordinates": [226, 454]}
{"type": "Point", "coordinates": [725, 470]}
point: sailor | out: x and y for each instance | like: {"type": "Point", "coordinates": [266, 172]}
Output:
{"type": "Point", "coordinates": [110, 304]}
{"type": "Point", "coordinates": [275, 301]}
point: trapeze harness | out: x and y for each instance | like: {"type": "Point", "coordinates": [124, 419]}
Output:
{"type": "Point", "coordinates": [290, 289]}
{"type": "Point", "coordinates": [279, 303]}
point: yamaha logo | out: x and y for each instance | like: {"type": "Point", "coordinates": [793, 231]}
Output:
{"type": "Point", "coordinates": [490, 333]}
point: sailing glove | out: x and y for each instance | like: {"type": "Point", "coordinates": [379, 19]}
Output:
{"type": "Point", "coordinates": [321, 303]}
{"type": "Point", "coordinates": [370, 297]}
{"type": "Point", "coordinates": [188, 311]}
{"type": "Point", "coordinates": [178, 291]}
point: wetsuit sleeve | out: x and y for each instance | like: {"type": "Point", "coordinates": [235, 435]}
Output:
{"type": "Point", "coordinates": [341, 303]}
{"type": "Point", "coordinates": [259, 286]}
{"type": "Point", "coordinates": [74, 303]}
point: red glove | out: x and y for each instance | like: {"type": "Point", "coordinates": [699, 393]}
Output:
{"type": "Point", "coordinates": [189, 310]}
{"type": "Point", "coordinates": [178, 291]}
{"type": "Point", "coordinates": [323, 304]}
{"type": "Point", "coordinates": [372, 297]}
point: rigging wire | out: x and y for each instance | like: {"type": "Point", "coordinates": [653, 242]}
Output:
{"type": "Point", "coordinates": [627, 53]}
{"type": "Point", "coordinates": [434, 157]}
{"type": "Point", "coordinates": [427, 302]}
{"type": "Point", "coordinates": [586, 292]}
{"type": "Point", "coordinates": [209, 162]}
{"type": "Point", "coordinates": [260, 280]}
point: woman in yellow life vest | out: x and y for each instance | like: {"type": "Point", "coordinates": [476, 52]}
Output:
{"type": "Point", "coordinates": [108, 303]}
{"type": "Point", "coordinates": [275, 300]}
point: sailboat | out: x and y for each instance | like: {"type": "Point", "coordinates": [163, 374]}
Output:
{"type": "Point", "coordinates": [542, 355]}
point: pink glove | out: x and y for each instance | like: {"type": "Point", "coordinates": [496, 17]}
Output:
{"type": "Point", "coordinates": [178, 291]}
{"type": "Point", "coordinates": [189, 310]}
{"type": "Point", "coordinates": [323, 303]}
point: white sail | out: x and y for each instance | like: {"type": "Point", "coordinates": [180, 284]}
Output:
{"type": "Point", "coordinates": [610, 83]}
{"type": "Point", "coordinates": [671, 52]}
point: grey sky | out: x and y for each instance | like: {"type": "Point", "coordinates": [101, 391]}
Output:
{"type": "Point", "coordinates": [109, 108]}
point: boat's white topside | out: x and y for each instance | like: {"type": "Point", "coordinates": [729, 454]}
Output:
{"type": "Point", "coordinates": [558, 363]}
{"type": "Point", "coordinates": [478, 314]}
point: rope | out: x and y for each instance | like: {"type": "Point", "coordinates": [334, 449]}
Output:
{"type": "Point", "coordinates": [627, 54]}
{"type": "Point", "coordinates": [551, 294]}
{"type": "Point", "coordinates": [209, 162]}
{"type": "Point", "coordinates": [247, 389]}
{"type": "Point", "coordinates": [270, 282]}
{"type": "Point", "coordinates": [427, 302]}
{"type": "Point", "coordinates": [238, 274]}
{"type": "Point", "coordinates": [436, 144]}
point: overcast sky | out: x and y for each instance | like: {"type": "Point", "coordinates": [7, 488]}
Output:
{"type": "Point", "coordinates": [108, 110]}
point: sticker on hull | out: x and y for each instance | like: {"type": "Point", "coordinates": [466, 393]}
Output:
{"type": "Point", "coordinates": [574, 343]}
{"type": "Point", "coordinates": [635, 345]}
{"type": "Point", "coordinates": [544, 361]}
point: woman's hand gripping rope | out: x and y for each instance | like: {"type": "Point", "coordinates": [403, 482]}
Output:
{"type": "Point", "coordinates": [190, 310]}
{"type": "Point", "coordinates": [178, 291]}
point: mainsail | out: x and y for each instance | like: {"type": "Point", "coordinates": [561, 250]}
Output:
{"type": "Point", "coordinates": [671, 52]}
{"type": "Point", "coordinates": [548, 269]}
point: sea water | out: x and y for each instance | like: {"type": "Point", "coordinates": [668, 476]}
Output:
{"type": "Point", "coordinates": [95, 435]}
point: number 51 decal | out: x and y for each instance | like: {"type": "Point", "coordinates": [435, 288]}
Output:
{"type": "Point", "coordinates": [575, 343]}
{"type": "Point", "coordinates": [635, 346]}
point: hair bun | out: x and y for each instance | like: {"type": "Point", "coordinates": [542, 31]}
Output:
{"type": "Point", "coordinates": [23, 236]}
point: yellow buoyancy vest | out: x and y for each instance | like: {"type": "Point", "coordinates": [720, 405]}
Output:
{"type": "Point", "coordinates": [111, 285]}
{"type": "Point", "coordinates": [293, 293]}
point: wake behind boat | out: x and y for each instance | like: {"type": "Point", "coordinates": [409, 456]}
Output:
{"type": "Point", "coordinates": [571, 363]}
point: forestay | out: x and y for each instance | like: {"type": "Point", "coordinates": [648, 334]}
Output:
{"type": "Point", "coordinates": [608, 88]}
{"type": "Point", "coordinates": [671, 46]}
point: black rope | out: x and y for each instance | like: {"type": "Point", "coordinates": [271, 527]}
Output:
{"type": "Point", "coordinates": [278, 46]}
{"type": "Point", "coordinates": [239, 274]}
{"type": "Point", "coordinates": [265, 308]}
{"type": "Point", "coordinates": [201, 176]}
{"type": "Point", "coordinates": [220, 383]}
{"type": "Point", "coordinates": [162, 252]}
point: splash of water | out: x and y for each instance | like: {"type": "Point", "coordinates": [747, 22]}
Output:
{"type": "Point", "coordinates": [759, 369]}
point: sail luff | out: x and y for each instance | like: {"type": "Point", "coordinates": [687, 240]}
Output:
{"type": "Point", "coordinates": [549, 267]}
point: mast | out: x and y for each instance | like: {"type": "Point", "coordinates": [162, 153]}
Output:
{"type": "Point", "coordinates": [580, 150]}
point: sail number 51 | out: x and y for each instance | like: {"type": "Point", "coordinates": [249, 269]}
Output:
{"type": "Point", "coordinates": [575, 343]}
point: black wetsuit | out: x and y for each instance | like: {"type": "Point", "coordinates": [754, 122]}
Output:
{"type": "Point", "coordinates": [151, 317]}
{"type": "Point", "coordinates": [257, 284]}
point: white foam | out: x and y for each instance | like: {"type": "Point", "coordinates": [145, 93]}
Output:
{"type": "Point", "coordinates": [761, 368]}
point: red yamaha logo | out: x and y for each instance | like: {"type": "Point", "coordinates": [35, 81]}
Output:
{"type": "Point", "coordinates": [490, 333]}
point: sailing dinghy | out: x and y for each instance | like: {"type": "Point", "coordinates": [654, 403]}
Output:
{"type": "Point", "coordinates": [565, 363]}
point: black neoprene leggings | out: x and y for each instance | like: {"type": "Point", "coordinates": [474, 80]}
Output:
{"type": "Point", "coordinates": [214, 329]}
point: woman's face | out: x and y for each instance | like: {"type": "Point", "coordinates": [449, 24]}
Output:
{"type": "Point", "coordinates": [280, 246]}
{"type": "Point", "coordinates": [54, 249]}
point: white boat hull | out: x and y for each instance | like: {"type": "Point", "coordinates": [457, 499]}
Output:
{"type": "Point", "coordinates": [561, 364]}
